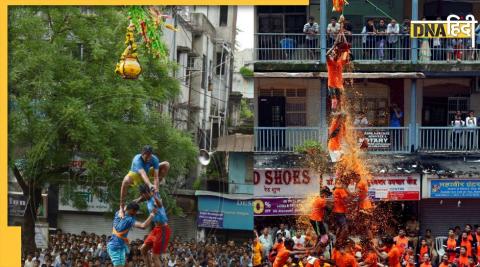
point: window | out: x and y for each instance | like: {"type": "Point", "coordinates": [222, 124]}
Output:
{"type": "Point", "coordinates": [223, 15]}
{"type": "Point", "coordinates": [204, 72]}
{"type": "Point", "coordinates": [457, 104]}
{"type": "Point", "coordinates": [295, 106]}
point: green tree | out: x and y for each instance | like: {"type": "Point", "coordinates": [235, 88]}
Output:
{"type": "Point", "coordinates": [65, 100]}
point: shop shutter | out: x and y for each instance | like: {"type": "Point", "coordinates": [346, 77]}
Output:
{"type": "Point", "coordinates": [439, 217]}
{"type": "Point", "coordinates": [92, 223]}
{"type": "Point", "coordinates": [184, 227]}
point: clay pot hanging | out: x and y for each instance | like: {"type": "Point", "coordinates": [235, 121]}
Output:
{"type": "Point", "coordinates": [129, 68]}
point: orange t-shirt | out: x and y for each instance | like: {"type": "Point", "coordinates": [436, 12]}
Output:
{"type": "Point", "coordinates": [468, 245]}
{"type": "Point", "coordinates": [318, 209]}
{"type": "Point", "coordinates": [463, 261]}
{"type": "Point", "coordinates": [401, 243]}
{"type": "Point", "coordinates": [334, 143]}
{"type": "Point", "coordinates": [478, 246]}
{"type": "Point", "coordinates": [371, 260]}
{"type": "Point", "coordinates": [339, 200]}
{"type": "Point", "coordinates": [426, 264]}
{"type": "Point", "coordinates": [345, 260]}
{"type": "Point", "coordinates": [335, 73]}
{"type": "Point", "coordinates": [364, 202]}
{"type": "Point", "coordinates": [424, 250]}
{"type": "Point", "coordinates": [443, 265]}
{"type": "Point", "coordinates": [282, 258]}
{"type": "Point", "coordinates": [394, 257]}
{"type": "Point", "coordinates": [451, 245]}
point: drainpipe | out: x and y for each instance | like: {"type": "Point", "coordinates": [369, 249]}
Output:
{"type": "Point", "coordinates": [323, 31]}
{"type": "Point", "coordinates": [413, 115]}
{"type": "Point", "coordinates": [413, 41]}
{"type": "Point", "coordinates": [323, 111]}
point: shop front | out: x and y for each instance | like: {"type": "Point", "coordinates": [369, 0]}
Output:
{"type": "Point", "coordinates": [449, 202]}
{"type": "Point", "coordinates": [224, 216]}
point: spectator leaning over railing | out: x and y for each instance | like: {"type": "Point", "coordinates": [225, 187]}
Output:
{"type": "Point", "coordinates": [405, 39]}
{"type": "Point", "coordinates": [332, 30]}
{"type": "Point", "coordinates": [311, 31]}
{"type": "Point", "coordinates": [370, 43]}
{"type": "Point", "coordinates": [381, 33]}
{"type": "Point", "coordinates": [393, 29]}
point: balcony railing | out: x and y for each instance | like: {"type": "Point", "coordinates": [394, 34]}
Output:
{"type": "Point", "coordinates": [448, 139]}
{"type": "Point", "coordinates": [383, 140]}
{"type": "Point", "coordinates": [366, 47]}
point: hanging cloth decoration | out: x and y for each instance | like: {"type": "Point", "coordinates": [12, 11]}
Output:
{"type": "Point", "coordinates": [338, 5]}
{"type": "Point", "coordinates": [129, 67]}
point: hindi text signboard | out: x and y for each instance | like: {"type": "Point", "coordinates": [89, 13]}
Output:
{"type": "Point", "coordinates": [285, 183]}
{"type": "Point", "coordinates": [459, 188]}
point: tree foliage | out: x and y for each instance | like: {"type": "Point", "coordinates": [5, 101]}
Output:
{"type": "Point", "coordinates": [66, 101]}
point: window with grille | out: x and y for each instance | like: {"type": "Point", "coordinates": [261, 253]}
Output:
{"type": "Point", "coordinates": [295, 104]}
{"type": "Point", "coordinates": [457, 104]}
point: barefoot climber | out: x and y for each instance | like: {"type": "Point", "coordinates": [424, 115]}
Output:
{"type": "Point", "coordinates": [117, 246]}
{"type": "Point", "coordinates": [143, 165]}
{"type": "Point", "coordinates": [157, 240]}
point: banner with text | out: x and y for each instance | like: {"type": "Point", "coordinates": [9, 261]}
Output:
{"type": "Point", "coordinates": [376, 139]}
{"type": "Point", "coordinates": [210, 219]}
{"type": "Point", "coordinates": [448, 188]}
{"type": "Point", "coordinates": [277, 206]}
{"type": "Point", "coordinates": [388, 187]}
{"type": "Point", "coordinates": [285, 183]}
{"type": "Point", "coordinates": [94, 203]}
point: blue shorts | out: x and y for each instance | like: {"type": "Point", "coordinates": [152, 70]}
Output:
{"type": "Point", "coordinates": [117, 256]}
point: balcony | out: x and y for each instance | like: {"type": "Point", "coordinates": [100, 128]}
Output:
{"type": "Point", "coordinates": [381, 140]}
{"type": "Point", "coordinates": [291, 48]}
{"type": "Point", "coordinates": [448, 139]}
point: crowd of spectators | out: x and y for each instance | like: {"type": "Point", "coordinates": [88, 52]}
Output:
{"type": "Point", "coordinates": [89, 250]}
{"type": "Point", "coordinates": [457, 248]}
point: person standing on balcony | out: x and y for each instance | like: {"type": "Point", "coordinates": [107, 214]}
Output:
{"type": "Point", "coordinates": [332, 30]}
{"type": "Point", "coordinates": [471, 122]}
{"type": "Point", "coordinates": [405, 37]}
{"type": "Point", "coordinates": [370, 41]}
{"type": "Point", "coordinates": [425, 48]}
{"type": "Point", "coordinates": [396, 116]}
{"type": "Point", "coordinates": [311, 31]}
{"type": "Point", "coordinates": [348, 30]}
{"type": "Point", "coordinates": [437, 47]}
{"type": "Point", "coordinates": [477, 42]}
{"type": "Point", "coordinates": [381, 31]}
{"type": "Point", "coordinates": [393, 29]}
{"type": "Point", "coordinates": [457, 125]}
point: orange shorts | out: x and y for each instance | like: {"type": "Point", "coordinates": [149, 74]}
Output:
{"type": "Point", "coordinates": [158, 239]}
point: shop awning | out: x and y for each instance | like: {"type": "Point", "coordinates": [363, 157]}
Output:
{"type": "Point", "coordinates": [347, 75]}
{"type": "Point", "coordinates": [235, 143]}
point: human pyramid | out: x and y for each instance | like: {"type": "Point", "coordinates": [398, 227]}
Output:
{"type": "Point", "coordinates": [349, 169]}
{"type": "Point", "coordinates": [144, 165]}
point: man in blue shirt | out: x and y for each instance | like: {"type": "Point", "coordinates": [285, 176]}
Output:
{"type": "Point", "coordinates": [157, 240]}
{"type": "Point", "coordinates": [117, 246]}
{"type": "Point", "coordinates": [143, 165]}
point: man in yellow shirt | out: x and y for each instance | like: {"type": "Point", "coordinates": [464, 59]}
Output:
{"type": "Point", "coordinates": [257, 252]}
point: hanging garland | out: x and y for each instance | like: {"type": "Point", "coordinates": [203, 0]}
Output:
{"type": "Point", "coordinates": [149, 22]}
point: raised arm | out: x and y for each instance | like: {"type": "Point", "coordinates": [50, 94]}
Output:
{"type": "Point", "coordinates": [146, 222]}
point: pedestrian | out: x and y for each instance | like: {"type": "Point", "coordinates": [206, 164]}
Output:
{"type": "Point", "coordinates": [266, 241]}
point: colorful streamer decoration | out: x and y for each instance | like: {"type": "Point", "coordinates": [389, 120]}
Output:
{"type": "Point", "coordinates": [338, 5]}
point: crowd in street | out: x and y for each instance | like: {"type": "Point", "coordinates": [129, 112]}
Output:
{"type": "Point", "coordinates": [90, 250]}
{"type": "Point", "coordinates": [459, 247]}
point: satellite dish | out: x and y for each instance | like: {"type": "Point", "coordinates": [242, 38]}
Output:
{"type": "Point", "coordinates": [204, 157]}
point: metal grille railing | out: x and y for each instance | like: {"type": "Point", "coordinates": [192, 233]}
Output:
{"type": "Point", "coordinates": [448, 139]}
{"type": "Point", "coordinates": [376, 47]}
